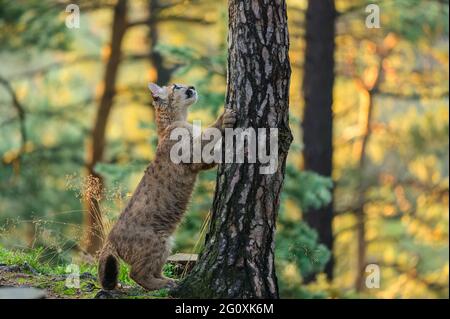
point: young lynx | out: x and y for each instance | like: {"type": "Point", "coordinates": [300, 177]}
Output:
{"type": "Point", "coordinates": [141, 236]}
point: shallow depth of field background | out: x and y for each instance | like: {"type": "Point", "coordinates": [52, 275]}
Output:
{"type": "Point", "coordinates": [55, 76]}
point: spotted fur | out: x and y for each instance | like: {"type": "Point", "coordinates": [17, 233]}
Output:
{"type": "Point", "coordinates": [141, 236]}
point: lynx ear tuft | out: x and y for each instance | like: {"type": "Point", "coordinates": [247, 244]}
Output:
{"type": "Point", "coordinates": [157, 91]}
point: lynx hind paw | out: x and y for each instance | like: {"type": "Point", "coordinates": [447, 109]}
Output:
{"type": "Point", "coordinates": [229, 118]}
{"type": "Point", "coordinates": [171, 284]}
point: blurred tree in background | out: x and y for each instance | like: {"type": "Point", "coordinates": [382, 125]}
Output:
{"type": "Point", "coordinates": [390, 133]}
{"type": "Point", "coordinates": [317, 124]}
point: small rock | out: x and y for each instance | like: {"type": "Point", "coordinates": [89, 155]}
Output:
{"type": "Point", "coordinates": [16, 268]}
{"type": "Point", "coordinates": [110, 294]}
{"type": "Point", "coordinates": [13, 268]}
{"type": "Point", "coordinates": [102, 294]}
{"type": "Point", "coordinates": [22, 293]}
{"type": "Point", "coordinates": [89, 287]}
{"type": "Point", "coordinates": [28, 268]}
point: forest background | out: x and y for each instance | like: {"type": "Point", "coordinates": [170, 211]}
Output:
{"type": "Point", "coordinates": [74, 103]}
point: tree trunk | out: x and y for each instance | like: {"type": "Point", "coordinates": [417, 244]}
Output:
{"type": "Point", "coordinates": [93, 221]}
{"type": "Point", "coordinates": [318, 80]}
{"type": "Point", "coordinates": [238, 258]}
{"type": "Point", "coordinates": [366, 134]}
{"type": "Point", "coordinates": [360, 212]}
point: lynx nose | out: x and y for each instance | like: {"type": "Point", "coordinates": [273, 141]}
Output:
{"type": "Point", "coordinates": [190, 92]}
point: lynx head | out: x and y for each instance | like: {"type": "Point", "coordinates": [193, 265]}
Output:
{"type": "Point", "coordinates": [175, 97]}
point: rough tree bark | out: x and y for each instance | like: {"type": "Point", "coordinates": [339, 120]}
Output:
{"type": "Point", "coordinates": [238, 258]}
{"type": "Point", "coordinates": [318, 80]}
{"type": "Point", "coordinates": [93, 219]}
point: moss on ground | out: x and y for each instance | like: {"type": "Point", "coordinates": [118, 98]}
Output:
{"type": "Point", "coordinates": [20, 268]}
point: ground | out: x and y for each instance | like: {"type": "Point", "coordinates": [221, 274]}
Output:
{"type": "Point", "coordinates": [25, 269]}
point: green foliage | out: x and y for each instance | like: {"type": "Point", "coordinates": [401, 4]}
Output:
{"type": "Point", "coordinates": [32, 24]}
{"type": "Point", "coordinates": [429, 135]}
{"type": "Point", "coordinates": [412, 19]}
{"type": "Point", "coordinates": [36, 260]}
{"type": "Point", "coordinates": [307, 189]}
{"type": "Point", "coordinates": [117, 173]}
{"type": "Point", "coordinates": [212, 67]}
{"type": "Point", "coordinates": [299, 244]}
{"type": "Point", "coordinates": [21, 258]}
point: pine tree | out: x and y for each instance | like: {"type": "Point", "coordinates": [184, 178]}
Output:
{"type": "Point", "coordinates": [238, 257]}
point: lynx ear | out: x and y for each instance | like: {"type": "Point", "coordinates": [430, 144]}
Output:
{"type": "Point", "coordinates": [157, 91]}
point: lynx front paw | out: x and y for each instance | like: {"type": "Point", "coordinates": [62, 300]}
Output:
{"type": "Point", "coordinates": [229, 119]}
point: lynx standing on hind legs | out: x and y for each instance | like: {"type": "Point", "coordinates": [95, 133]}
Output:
{"type": "Point", "coordinates": [141, 236]}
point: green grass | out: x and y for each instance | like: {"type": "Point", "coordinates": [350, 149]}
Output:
{"type": "Point", "coordinates": [35, 259]}
{"type": "Point", "coordinates": [21, 258]}
{"type": "Point", "coordinates": [49, 276]}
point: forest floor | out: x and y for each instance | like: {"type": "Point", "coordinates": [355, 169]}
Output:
{"type": "Point", "coordinates": [25, 270]}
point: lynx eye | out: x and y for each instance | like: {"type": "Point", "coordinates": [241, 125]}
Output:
{"type": "Point", "coordinates": [176, 87]}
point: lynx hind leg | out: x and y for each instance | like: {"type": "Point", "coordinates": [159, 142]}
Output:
{"type": "Point", "coordinates": [146, 277]}
{"type": "Point", "coordinates": [148, 271]}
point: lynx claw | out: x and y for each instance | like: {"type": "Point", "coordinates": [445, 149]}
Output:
{"type": "Point", "coordinates": [229, 119]}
